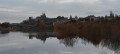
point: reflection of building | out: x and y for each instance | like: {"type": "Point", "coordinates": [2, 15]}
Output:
{"type": "Point", "coordinates": [42, 37]}
{"type": "Point", "coordinates": [67, 41]}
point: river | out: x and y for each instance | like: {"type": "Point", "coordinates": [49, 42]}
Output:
{"type": "Point", "coordinates": [22, 43]}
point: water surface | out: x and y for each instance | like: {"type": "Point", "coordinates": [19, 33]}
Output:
{"type": "Point", "coordinates": [23, 43]}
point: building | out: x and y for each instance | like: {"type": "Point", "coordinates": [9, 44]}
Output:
{"type": "Point", "coordinates": [35, 24]}
{"type": "Point", "coordinates": [111, 16]}
{"type": "Point", "coordinates": [91, 18]}
{"type": "Point", "coordinates": [15, 27]}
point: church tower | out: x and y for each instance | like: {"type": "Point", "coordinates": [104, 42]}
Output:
{"type": "Point", "coordinates": [43, 15]}
{"type": "Point", "coordinates": [111, 14]}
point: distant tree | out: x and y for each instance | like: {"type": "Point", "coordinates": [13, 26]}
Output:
{"type": "Point", "coordinates": [42, 26]}
{"type": "Point", "coordinates": [106, 16]}
{"type": "Point", "coordinates": [116, 16]}
{"type": "Point", "coordinates": [5, 24]}
{"type": "Point", "coordinates": [76, 17]}
{"type": "Point", "coordinates": [30, 18]}
{"type": "Point", "coordinates": [98, 16]}
{"type": "Point", "coordinates": [0, 26]}
{"type": "Point", "coordinates": [68, 29]}
{"type": "Point", "coordinates": [62, 17]}
{"type": "Point", "coordinates": [58, 17]}
{"type": "Point", "coordinates": [80, 26]}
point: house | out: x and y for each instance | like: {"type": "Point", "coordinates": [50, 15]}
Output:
{"type": "Point", "coordinates": [15, 27]}
{"type": "Point", "coordinates": [92, 18]}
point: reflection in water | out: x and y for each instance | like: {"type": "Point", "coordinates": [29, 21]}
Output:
{"type": "Point", "coordinates": [68, 41]}
{"type": "Point", "coordinates": [112, 44]}
{"type": "Point", "coordinates": [95, 41]}
{"type": "Point", "coordinates": [41, 36]}
{"type": "Point", "coordinates": [3, 34]}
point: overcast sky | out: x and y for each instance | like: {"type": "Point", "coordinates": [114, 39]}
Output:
{"type": "Point", "coordinates": [19, 10]}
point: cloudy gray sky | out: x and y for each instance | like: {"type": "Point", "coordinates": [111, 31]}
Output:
{"type": "Point", "coordinates": [19, 10]}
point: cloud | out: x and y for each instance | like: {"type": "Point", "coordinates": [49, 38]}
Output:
{"type": "Point", "coordinates": [112, 0]}
{"type": "Point", "coordinates": [66, 1]}
{"type": "Point", "coordinates": [80, 1]}
{"type": "Point", "coordinates": [8, 10]}
{"type": "Point", "coordinates": [17, 14]}
{"type": "Point", "coordinates": [53, 8]}
{"type": "Point", "coordinates": [38, 1]}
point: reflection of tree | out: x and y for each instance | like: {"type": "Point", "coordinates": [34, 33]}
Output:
{"type": "Point", "coordinates": [94, 40]}
{"type": "Point", "coordinates": [68, 41]}
{"type": "Point", "coordinates": [3, 34]}
{"type": "Point", "coordinates": [112, 44]}
{"type": "Point", "coordinates": [41, 36]}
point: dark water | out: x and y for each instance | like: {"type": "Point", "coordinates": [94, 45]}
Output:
{"type": "Point", "coordinates": [30, 43]}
